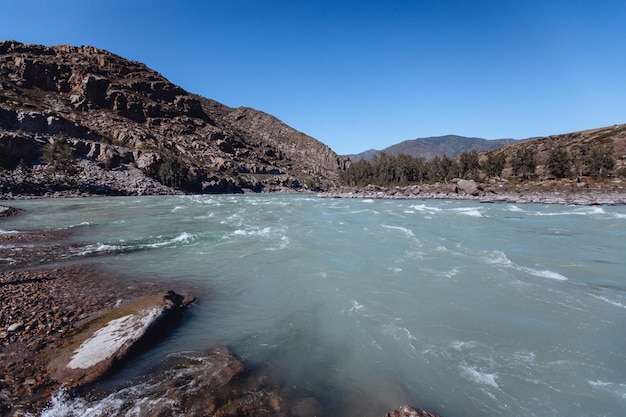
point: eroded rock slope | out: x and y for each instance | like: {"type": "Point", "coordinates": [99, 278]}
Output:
{"type": "Point", "coordinates": [119, 115]}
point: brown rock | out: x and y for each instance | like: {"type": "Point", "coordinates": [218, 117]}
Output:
{"type": "Point", "coordinates": [407, 411]}
{"type": "Point", "coordinates": [101, 344]}
{"type": "Point", "coordinates": [468, 187]}
{"type": "Point", "coordinates": [93, 96]}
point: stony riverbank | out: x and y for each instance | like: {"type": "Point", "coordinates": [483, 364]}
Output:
{"type": "Point", "coordinates": [562, 192]}
{"type": "Point", "coordinates": [39, 306]}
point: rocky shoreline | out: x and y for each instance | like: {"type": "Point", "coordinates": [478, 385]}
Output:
{"type": "Point", "coordinates": [562, 192]}
{"type": "Point", "coordinates": [40, 306]}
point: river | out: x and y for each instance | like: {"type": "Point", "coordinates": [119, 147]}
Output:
{"type": "Point", "coordinates": [461, 308]}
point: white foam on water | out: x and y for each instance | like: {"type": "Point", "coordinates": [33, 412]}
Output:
{"type": "Point", "coordinates": [545, 273]}
{"type": "Point", "coordinates": [578, 211]}
{"type": "Point", "coordinates": [499, 258]}
{"type": "Point", "coordinates": [515, 209]}
{"type": "Point", "coordinates": [407, 232]}
{"type": "Point", "coordinates": [358, 211]}
{"type": "Point", "coordinates": [451, 273]}
{"type": "Point", "coordinates": [282, 244]}
{"type": "Point", "coordinates": [99, 247]}
{"type": "Point", "coordinates": [8, 232]}
{"type": "Point", "coordinates": [482, 378]}
{"type": "Point", "coordinates": [79, 224]}
{"type": "Point", "coordinates": [523, 357]}
{"type": "Point", "coordinates": [258, 232]}
{"type": "Point", "coordinates": [607, 300]}
{"type": "Point", "coordinates": [183, 237]}
{"type": "Point", "coordinates": [423, 208]}
{"type": "Point", "coordinates": [460, 345]}
{"type": "Point", "coordinates": [127, 402]}
{"type": "Point", "coordinates": [468, 211]}
{"type": "Point", "coordinates": [356, 307]}
{"type": "Point", "coordinates": [618, 389]}
{"type": "Point", "coordinates": [401, 335]}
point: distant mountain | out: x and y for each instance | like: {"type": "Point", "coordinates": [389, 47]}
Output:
{"type": "Point", "coordinates": [430, 147]}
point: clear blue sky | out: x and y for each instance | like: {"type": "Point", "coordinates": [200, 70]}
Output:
{"type": "Point", "coordinates": [367, 74]}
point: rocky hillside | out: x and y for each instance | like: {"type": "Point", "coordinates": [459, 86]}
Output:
{"type": "Point", "coordinates": [431, 147]}
{"type": "Point", "coordinates": [130, 131]}
{"type": "Point", "coordinates": [582, 151]}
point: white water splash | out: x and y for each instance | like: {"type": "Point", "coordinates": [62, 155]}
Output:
{"type": "Point", "coordinates": [500, 258]}
{"type": "Point", "coordinates": [407, 232]}
{"type": "Point", "coordinates": [468, 211]}
{"type": "Point", "coordinates": [618, 389]}
{"type": "Point", "coordinates": [482, 378]}
{"type": "Point", "coordinates": [607, 300]}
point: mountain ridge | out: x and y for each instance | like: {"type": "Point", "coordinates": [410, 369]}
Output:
{"type": "Point", "coordinates": [119, 114]}
{"type": "Point", "coordinates": [436, 146]}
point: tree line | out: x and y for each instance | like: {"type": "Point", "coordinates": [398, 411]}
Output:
{"type": "Point", "coordinates": [402, 169]}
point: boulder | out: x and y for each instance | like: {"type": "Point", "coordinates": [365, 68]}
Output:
{"type": "Point", "coordinates": [406, 411]}
{"type": "Point", "coordinates": [468, 187]}
{"type": "Point", "coordinates": [100, 345]}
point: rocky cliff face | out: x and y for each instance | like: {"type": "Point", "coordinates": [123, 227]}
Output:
{"type": "Point", "coordinates": [120, 115]}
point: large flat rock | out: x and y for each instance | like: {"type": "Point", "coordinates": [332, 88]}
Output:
{"type": "Point", "coordinates": [101, 344]}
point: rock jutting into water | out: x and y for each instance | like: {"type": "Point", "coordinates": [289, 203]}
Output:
{"type": "Point", "coordinates": [100, 345]}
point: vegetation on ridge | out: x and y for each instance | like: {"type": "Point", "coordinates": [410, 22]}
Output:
{"type": "Point", "coordinates": [599, 153]}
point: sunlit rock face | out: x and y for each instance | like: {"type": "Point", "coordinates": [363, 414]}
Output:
{"type": "Point", "coordinates": [104, 342]}
{"type": "Point", "coordinates": [118, 114]}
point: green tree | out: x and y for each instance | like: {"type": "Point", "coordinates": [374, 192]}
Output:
{"type": "Point", "coordinates": [524, 162]}
{"type": "Point", "coordinates": [600, 161]}
{"type": "Point", "coordinates": [559, 162]}
{"type": "Point", "coordinates": [434, 171]}
{"type": "Point", "coordinates": [494, 164]}
{"type": "Point", "coordinates": [469, 165]}
{"type": "Point", "coordinates": [449, 168]}
{"type": "Point", "coordinates": [59, 155]}
{"type": "Point", "coordinates": [172, 172]}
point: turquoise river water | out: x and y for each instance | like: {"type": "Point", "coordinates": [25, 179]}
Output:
{"type": "Point", "coordinates": [461, 308]}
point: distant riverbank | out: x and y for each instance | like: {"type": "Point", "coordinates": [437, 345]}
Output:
{"type": "Point", "coordinates": [562, 192]}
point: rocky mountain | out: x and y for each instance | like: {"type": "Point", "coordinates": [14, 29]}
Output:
{"type": "Point", "coordinates": [430, 147]}
{"type": "Point", "coordinates": [131, 131]}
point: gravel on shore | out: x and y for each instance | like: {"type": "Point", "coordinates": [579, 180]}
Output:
{"type": "Point", "coordinates": [526, 194]}
{"type": "Point", "coordinates": [39, 305]}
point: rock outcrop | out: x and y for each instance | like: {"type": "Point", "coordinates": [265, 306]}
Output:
{"type": "Point", "coordinates": [105, 341]}
{"type": "Point", "coordinates": [406, 411]}
{"type": "Point", "coordinates": [118, 114]}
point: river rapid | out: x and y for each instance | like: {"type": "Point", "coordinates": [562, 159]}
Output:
{"type": "Point", "coordinates": [461, 308]}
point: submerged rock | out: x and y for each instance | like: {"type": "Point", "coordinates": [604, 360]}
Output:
{"type": "Point", "coordinates": [101, 344]}
{"type": "Point", "coordinates": [6, 211]}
